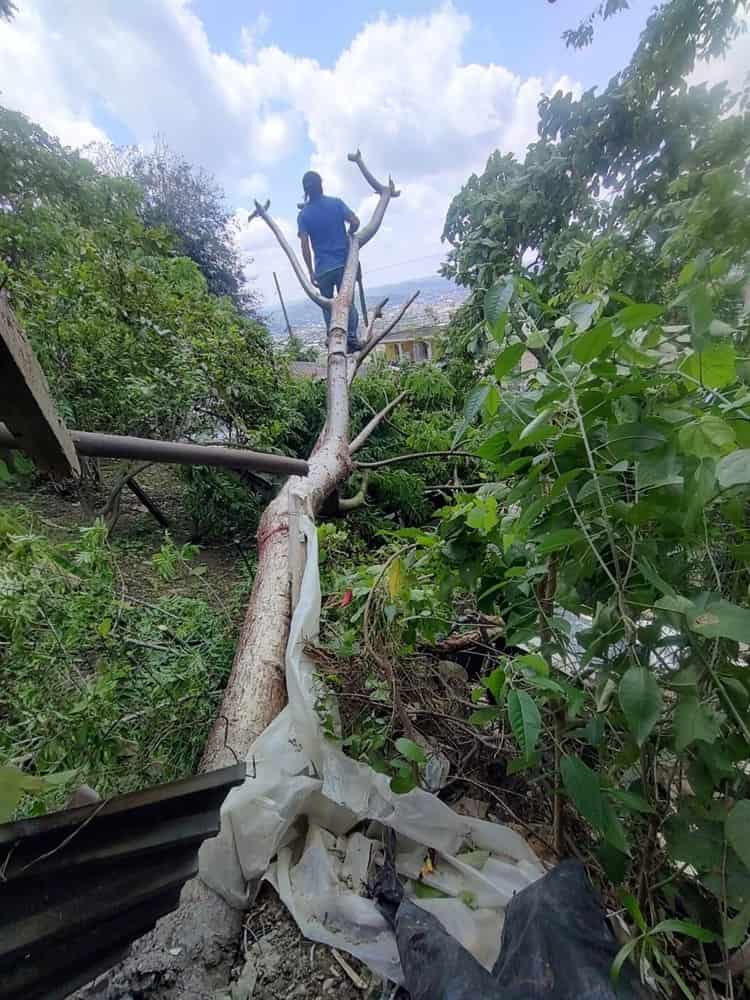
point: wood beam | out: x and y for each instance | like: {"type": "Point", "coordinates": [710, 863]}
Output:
{"type": "Point", "coordinates": [26, 406]}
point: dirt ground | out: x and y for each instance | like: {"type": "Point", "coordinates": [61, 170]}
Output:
{"type": "Point", "coordinates": [281, 963]}
{"type": "Point", "coordinates": [136, 536]}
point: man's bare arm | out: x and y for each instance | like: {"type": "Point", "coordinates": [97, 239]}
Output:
{"type": "Point", "coordinates": [307, 255]}
{"type": "Point", "coordinates": [353, 223]}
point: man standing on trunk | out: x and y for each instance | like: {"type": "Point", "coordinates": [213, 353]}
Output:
{"type": "Point", "coordinates": [323, 222]}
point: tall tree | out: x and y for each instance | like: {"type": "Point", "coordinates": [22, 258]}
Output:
{"type": "Point", "coordinates": [188, 201]}
{"type": "Point", "coordinates": [256, 691]}
{"type": "Point", "coordinates": [630, 143]}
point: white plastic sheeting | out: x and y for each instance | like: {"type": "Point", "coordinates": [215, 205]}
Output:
{"type": "Point", "coordinates": [292, 821]}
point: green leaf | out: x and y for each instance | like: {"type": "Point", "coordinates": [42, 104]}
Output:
{"type": "Point", "coordinates": [621, 958]}
{"type": "Point", "coordinates": [631, 905]}
{"type": "Point", "coordinates": [737, 828]}
{"type": "Point", "coordinates": [533, 661]}
{"type": "Point", "coordinates": [734, 469]}
{"type": "Point", "coordinates": [396, 578]}
{"type": "Point", "coordinates": [592, 344]}
{"type": "Point", "coordinates": [584, 787]}
{"type": "Point", "coordinates": [424, 891]}
{"type": "Point", "coordinates": [491, 403]}
{"type": "Point", "coordinates": [537, 429]}
{"type": "Point", "coordinates": [593, 731]}
{"type": "Point", "coordinates": [495, 684]}
{"type": "Point", "coordinates": [496, 303]}
{"type": "Point", "coordinates": [525, 720]}
{"type": "Point", "coordinates": [632, 317]}
{"type": "Point", "coordinates": [692, 722]}
{"type": "Point", "coordinates": [508, 359]}
{"type": "Point", "coordinates": [708, 437]}
{"type": "Point", "coordinates": [629, 800]}
{"type": "Point", "coordinates": [483, 716]}
{"type": "Point", "coordinates": [693, 839]}
{"type": "Point", "coordinates": [11, 790]}
{"type": "Point", "coordinates": [714, 368]}
{"type": "Point", "coordinates": [719, 619]}
{"type": "Point", "coordinates": [561, 539]}
{"type": "Point", "coordinates": [562, 482]}
{"type": "Point", "coordinates": [700, 312]}
{"type": "Point", "coordinates": [411, 751]}
{"type": "Point", "coordinates": [641, 702]}
{"type": "Point", "coordinates": [582, 314]}
{"type": "Point", "coordinates": [520, 764]}
{"type": "Point", "coordinates": [474, 401]}
{"type": "Point", "coordinates": [483, 515]}
{"type": "Point", "coordinates": [686, 927]}
{"type": "Point", "coordinates": [403, 783]}
{"type": "Point", "coordinates": [735, 930]}
{"type": "Point", "coordinates": [687, 274]}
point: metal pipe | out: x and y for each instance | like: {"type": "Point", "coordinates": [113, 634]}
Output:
{"type": "Point", "coordinates": [97, 445]}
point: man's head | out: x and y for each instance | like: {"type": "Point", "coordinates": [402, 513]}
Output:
{"type": "Point", "coordinates": [312, 185]}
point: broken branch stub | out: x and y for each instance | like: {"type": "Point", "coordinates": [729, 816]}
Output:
{"type": "Point", "coordinates": [261, 212]}
{"type": "Point", "coordinates": [373, 341]}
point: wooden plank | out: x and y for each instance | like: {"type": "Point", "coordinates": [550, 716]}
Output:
{"type": "Point", "coordinates": [26, 405]}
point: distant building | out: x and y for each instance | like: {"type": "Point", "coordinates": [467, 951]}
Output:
{"type": "Point", "coordinates": [415, 345]}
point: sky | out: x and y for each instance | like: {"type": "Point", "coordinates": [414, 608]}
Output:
{"type": "Point", "coordinates": [257, 93]}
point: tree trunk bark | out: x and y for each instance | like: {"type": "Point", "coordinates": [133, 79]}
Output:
{"type": "Point", "coordinates": [205, 929]}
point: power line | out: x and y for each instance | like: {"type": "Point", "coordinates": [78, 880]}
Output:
{"type": "Point", "coordinates": [411, 260]}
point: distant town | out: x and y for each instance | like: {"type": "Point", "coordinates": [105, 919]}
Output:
{"type": "Point", "coordinates": [438, 300]}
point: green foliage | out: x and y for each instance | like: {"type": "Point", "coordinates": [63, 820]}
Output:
{"type": "Point", "coordinates": [98, 688]}
{"type": "Point", "coordinates": [220, 504]}
{"type": "Point", "coordinates": [128, 333]}
{"type": "Point", "coordinates": [670, 157]}
{"type": "Point", "coordinates": [189, 203]}
{"type": "Point", "coordinates": [619, 482]}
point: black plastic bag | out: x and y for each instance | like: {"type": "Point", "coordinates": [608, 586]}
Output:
{"type": "Point", "coordinates": [556, 945]}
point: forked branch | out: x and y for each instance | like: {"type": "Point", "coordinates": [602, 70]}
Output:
{"type": "Point", "coordinates": [386, 192]}
{"type": "Point", "coordinates": [361, 439]}
{"type": "Point", "coordinates": [261, 211]}
{"type": "Point", "coordinates": [373, 341]}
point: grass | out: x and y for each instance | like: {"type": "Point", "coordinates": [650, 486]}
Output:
{"type": "Point", "coordinates": [113, 655]}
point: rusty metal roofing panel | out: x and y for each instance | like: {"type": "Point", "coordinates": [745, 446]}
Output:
{"type": "Point", "coordinates": [78, 886]}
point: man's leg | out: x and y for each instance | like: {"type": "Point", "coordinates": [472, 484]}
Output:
{"type": "Point", "coordinates": [326, 284]}
{"type": "Point", "coordinates": [352, 341]}
{"type": "Point", "coordinates": [352, 344]}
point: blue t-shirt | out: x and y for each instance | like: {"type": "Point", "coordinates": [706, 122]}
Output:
{"type": "Point", "coordinates": [324, 221]}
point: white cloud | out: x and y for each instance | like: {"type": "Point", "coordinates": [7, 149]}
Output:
{"type": "Point", "coordinates": [733, 68]}
{"type": "Point", "coordinates": [401, 91]}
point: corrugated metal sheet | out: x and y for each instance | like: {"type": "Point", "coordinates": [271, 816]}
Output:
{"type": "Point", "coordinates": [78, 886]}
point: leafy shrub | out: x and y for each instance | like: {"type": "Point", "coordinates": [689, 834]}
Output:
{"type": "Point", "coordinates": [220, 505]}
{"type": "Point", "coordinates": [117, 691]}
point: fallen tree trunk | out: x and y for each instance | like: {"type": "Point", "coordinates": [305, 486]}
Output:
{"type": "Point", "coordinates": [190, 953]}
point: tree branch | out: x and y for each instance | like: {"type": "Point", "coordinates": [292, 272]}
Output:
{"type": "Point", "coordinates": [370, 426]}
{"type": "Point", "coordinates": [374, 183]}
{"type": "Point", "coordinates": [416, 455]}
{"type": "Point", "coordinates": [372, 342]}
{"type": "Point", "coordinates": [360, 497]}
{"type": "Point", "coordinates": [261, 211]}
{"type": "Point", "coordinates": [386, 192]}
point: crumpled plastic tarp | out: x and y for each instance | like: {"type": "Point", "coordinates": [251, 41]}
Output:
{"type": "Point", "coordinates": [298, 821]}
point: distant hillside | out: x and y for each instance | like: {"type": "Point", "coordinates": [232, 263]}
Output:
{"type": "Point", "coordinates": [438, 298]}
